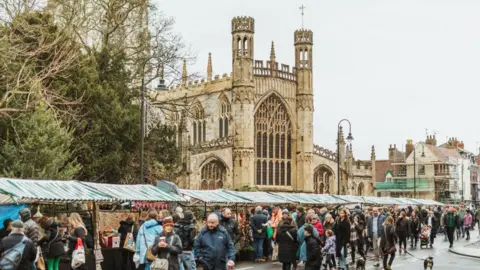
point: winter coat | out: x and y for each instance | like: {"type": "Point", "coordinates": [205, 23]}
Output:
{"type": "Point", "coordinates": [256, 222]}
{"type": "Point", "coordinates": [319, 228]}
{"type": "Point", "coordinates": [300, 220]}
{"type": "Point", "coordinates": [287, 248]}
{"type": "Point", "coordinates": [401, 226]}
{"type": "Point", "coordinates": [446, 218]}
{"type": "Point", "coordinates": [173, 249]}
{"type": "Point", "coordinates": [51, 243]}
{"type": "Point", "coordinates": [314, 255]}
{"type": "Point", "coordinates": [328, 226]}
{"type": "Point", "coordinates": [389, 238]}
{"type": "Point", "coordinates": [342, 233]}
{"type": "Point", "coordinates": [322, 215]}
{"type": "Point", "coordinates": [185, 229]}
{"type": "Point", "coordinates": [468, 220]}
{"type": "Point", "coordinates": [301, 240]}
{"type": "Point", "coordinates": [477, 215]}
{"type": "Point", "coordinates": [79, 232]}
{"type": "Point", "coordinates": [29, 253]}
{"type": "Point", "coordinates": [415, 225]}
{"type": "Point", "coordinates": [380, 221]}
{"type": "Point", "coordinates": [126, 228]}
{"type": "Point", "coordinates": [30, 228]}
{"type": "Point", "coordinates": [330, 246]}
{"type": "Point", "coordinates": [232, 228]}
{"type": "Point", "coordinates": [434, 225]}
{"type": "Point", "coordinates": [214, 248]}
{"type": "Point", "coordinates": [4, 233]}
{"type": "Point", "coordinates": [145, 238]}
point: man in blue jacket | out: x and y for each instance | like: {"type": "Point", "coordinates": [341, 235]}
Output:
{"type": "Point", "coordinates": [213, 247]}
{"type": "Point", "coordinates": [375, 232]}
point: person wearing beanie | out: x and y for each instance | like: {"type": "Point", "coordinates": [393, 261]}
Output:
{"type": "Point", "coordinates": [168, 245]}
{"type": "Point", "coordinates": [30, 227]}
{"type": "Point", "coordinates": [185, 229]}
{"type": "Point", "coordinates": [16, 236]}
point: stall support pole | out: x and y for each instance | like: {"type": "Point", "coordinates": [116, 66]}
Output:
{"type": "Point", "coordinates": [205, 208]}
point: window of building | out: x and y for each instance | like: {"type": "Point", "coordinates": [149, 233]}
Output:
{"type": "Point", "coordinates": [198, 123]}
{"type": "Point", "coordinates": [421, 170]}
{"type": "Point", "coordinates": [224, 118]}
{"type": "Point", "coordinates": [273, 136]}
{"type": "Point", "coordinates": [213, 175]}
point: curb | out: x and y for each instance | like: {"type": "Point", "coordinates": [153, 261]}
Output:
{"type": "Point", "coordinates": [452, 250]}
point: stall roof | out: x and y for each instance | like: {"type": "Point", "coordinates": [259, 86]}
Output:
{"type": "Point", "coordinates": [351, 198]}
{"type": "Point", "coordinates": [296, 197]}
{"type": "Point", "coordinates": [258, 197]}
{"type": "Point", "coordinates": [426, 202]}
{"type": "Point", "coordinates": [213, 196]}
{"type": "Point", "coordinates": [26, 191]}
{"type": "Point", "coordinates": [139, 193]}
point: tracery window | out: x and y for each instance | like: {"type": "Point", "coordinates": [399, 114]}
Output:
{"type": "Point", "coordinates": [198, 123]}
{"type": "Point", "coordinates": [273, 139]}
{"type": "Point", "coordinates": [224, 118]}
{"type": "Point", "coordinates": [213, 175]}
{"type": "Point", "coordinates": [322, 180]}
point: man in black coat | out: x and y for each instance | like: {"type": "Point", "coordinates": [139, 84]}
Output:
{"type": "Point", "coordinates": [259, 233]}
{"type": "Point", "coordinates": [230, 225]}
{"type": "Point", "coordinates": [16, 236]}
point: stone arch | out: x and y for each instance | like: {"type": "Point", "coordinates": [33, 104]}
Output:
{"type": "Point", "coordinates": [274, 137]}
{"type": "Point", "coordinates": [224, 116]}
{"type": "Point", "coordinates": [199, 122]}
{"type": "Point", "coordinates": [269, 93]}
{"type": "Point", "coordinates": [323, 179]}
{"type": "Point", "coordinates": [361, 189]}
{"type": "Point", "coordinates": [213, 174]}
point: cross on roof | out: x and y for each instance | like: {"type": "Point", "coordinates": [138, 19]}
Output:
{"type": "Point", "coordinates": [302, 8]}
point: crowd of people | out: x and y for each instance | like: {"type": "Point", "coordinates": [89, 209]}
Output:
{"type": "Point", "coordinates": [317, 238]}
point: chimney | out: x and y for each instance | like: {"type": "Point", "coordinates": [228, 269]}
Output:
{"type": "Point", "coordinates": [391, 153]}
{"type": "Point", "coordinates": [409, 148]}
{"type": "Point", "coordinates": [434, 140]}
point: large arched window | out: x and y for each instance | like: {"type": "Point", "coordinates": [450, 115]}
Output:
{"type": "Point", "coordinates": [198, 123]}
{"type": "Point", "coordinates": [361, 189]}
{"type": "Point", "coordinates": [225, 113]}
{"type": "Point", "coordinates": [323, 180]}
{"type": "Point", "coordinates": [213, 175]}
{"type": "Point", "coordinates": [273, 144]}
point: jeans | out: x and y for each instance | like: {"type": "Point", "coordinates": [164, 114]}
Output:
{"type": "Point", "coordinates": [462, 229]}
{"type": "Point", "coordinates": [258, 247]}
{"type": "Point", "coordinates": [187, 261]}
{"type": "Point", "coordinates": [414, 238]}
{"type": "Point", "coordinates": [450, 232]}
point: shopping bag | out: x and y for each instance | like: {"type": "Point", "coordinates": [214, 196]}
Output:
{"type": "Point", "coordinates": [270, 231]}
{"type": "Point", "coordinates": [78, 255]}
{"type": "Point", "coordinates": [129, 242]}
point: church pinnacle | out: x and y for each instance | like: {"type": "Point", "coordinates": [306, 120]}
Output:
{"type": "Point", "coordinates": [184, 73]}
{"type": "Point", "coordinates": [272, 53]}
{"type": "Point", "coordinates": [209, 67]}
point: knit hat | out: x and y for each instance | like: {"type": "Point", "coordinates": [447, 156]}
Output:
{"type": "Point", "coordinates": [300, 208]}
{"type": "Point", "coordinates": [18, 224]}
{"type": "Point", "coordinates": [168, 221]}
{"type": "Point", "coordinates": [188, 215]}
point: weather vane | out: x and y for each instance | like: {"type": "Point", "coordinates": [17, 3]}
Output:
{"type": "Point", "coordinates": [302, 8]}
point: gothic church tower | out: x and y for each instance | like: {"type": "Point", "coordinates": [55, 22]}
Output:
{"type": "Point", "coordinates": [243, 29]}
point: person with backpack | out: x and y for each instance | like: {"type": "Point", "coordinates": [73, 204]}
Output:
{"type": "Point", "coordinates": [30, 227]}
{"type": "Point", "coordinates": [17, 251]}
{"type": "Point", "coordinates": [185, 229]}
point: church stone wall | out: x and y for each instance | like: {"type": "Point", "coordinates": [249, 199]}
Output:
{"type": "Point", "coordinates": [199, 160]}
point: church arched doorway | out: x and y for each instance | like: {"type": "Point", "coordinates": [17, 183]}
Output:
{"type": "Point", "coordinates": [323, 180]}
{"type": "Point", "coordinates": [273, 144]}
{"type": "Point", "coordinates": [213, 175]}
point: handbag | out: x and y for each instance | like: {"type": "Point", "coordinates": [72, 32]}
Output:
{"type": "Point", "coordinates": [270, 232]}
{"type": "Point", "coordinates": [40, 260]}
{"type": "Point", "coordinates": [150, 256]}
{"type": "Point", "coordinates": [161, 264]}
{"type": "Point", "coordinates": [129, 242]}
{"type": "Point", "coordinates": [78, 255]}
{"type": "Point", "coordinates": [390, 249]}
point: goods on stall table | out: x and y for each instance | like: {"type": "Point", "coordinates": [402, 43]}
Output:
{"type": "Point", "coordinates": [113, 219]}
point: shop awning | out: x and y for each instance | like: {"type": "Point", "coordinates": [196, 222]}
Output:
{"type": "Point", "coordinates": [351, 198]}
{"type": "Point", "coordinates": [426, 202]}
{"type": "Point", "coordinates": [13, 191]}
{"type": "Point", "coordinates": [139, 193]}
{"type": "Point", "coordinates": [213, 196]}
{"type": "Point", "coordinates": [296, 197]}
{"type": "Point", "coordinates": [258, 197]}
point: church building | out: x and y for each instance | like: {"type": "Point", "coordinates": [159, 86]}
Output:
{"type": "Point", "coordinates": [254, 126]}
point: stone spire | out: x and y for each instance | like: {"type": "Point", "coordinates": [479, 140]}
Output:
{"type": "Point", "coordinates": [272, 53]}
{"type": "Point", "coordinates": [209, 67]}
{"type": "Point", "coordinates": [372, 155]}
{"type": "Point", "coordinates": [184, 73]}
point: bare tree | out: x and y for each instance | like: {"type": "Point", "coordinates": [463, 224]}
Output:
{"type": "Point", "coordinates": [32, 54]}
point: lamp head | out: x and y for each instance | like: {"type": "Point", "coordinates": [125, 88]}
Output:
{"type": "Point", "coordinates": [349, 137]}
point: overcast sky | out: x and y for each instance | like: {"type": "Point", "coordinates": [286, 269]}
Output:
{"type": "Point", "coordinates": [393, 68]}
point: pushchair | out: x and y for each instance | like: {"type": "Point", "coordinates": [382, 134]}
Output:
{"type": "Point", "coordinates": [425, 237]}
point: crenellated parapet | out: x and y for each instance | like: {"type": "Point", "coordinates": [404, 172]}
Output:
{"type": "Point", "coordinates": [203, 83]}
{"type": "Point", "coordinates": [243, 24]}
{"type": "Point", "coordinates": [325, 153]}
{"type": "Point", "coordinates": [273, 69]}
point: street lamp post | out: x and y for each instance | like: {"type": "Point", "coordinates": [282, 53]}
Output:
{"type": "Point", "coordinates": [349, 139]}
{"type": "Point", "coordinates": [142, 130]}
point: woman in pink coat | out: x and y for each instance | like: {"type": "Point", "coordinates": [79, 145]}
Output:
{"type": "Point", "coordinates": [468, 222]}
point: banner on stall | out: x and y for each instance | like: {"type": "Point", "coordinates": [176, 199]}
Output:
{"type": "Point", "coordinates": [9, 212]}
